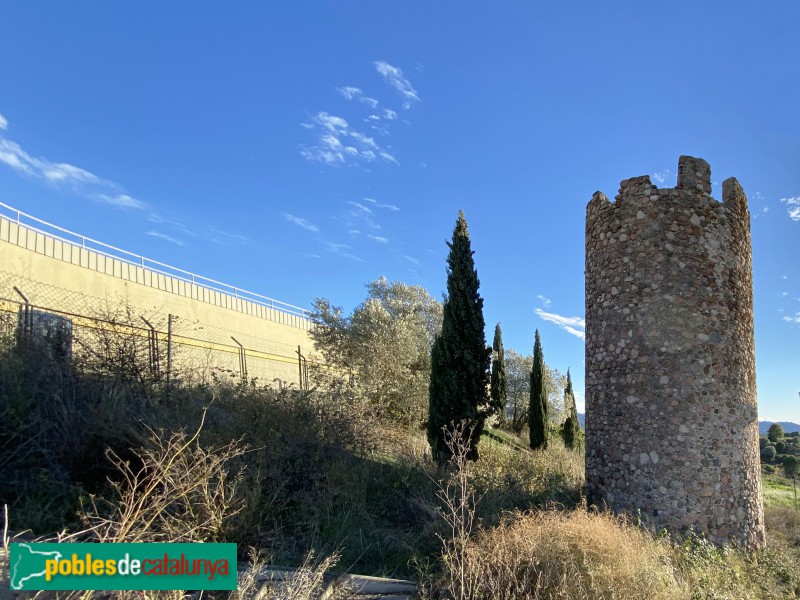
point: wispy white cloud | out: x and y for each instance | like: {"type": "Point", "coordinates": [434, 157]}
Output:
{"type": "Point", "coordinates": [366, 141]}
{"type": "Point", "coordinates": [792, 207]}
{"type": "Point", "coordinates": [660, 176]}
{"type": "Point", "coordinates": [311, 255]}
{"type": "Point", "coordinates": [573, 325]}
{"type": "Point", "coordinates": [371, 102]}
{"type": "Point", "coordinates": [359, 208]}
{"type": "Point", "coordinates": [349, 92]}
{"type": "Point", "coordinates": [377, 204]}
{"type": "Point", "coordinates": [338, 143]}
{"type": "Point", "coordinates": [227, 238]}
{"type": "Point", "coordinates": [411, 259]}
{"type": "Point", "coordinates": [795, 319]}
{"type": "Point", "coordinates": [62, 174]}
{"type": "Point", "coordinates": [361, 219]}
{"type": "Point", "coordinates": [342, 250]}
{"type": "Point", "coordinates": [162, 220]}
{"type": "Point", "coordinates": [300, 222]}
{"type": "Point", "coordinates": [166, 238]}
{"type": "Point", "coordinates": [354, 93]}
{"type": "Point", "coordinates": [352, 257]}
{"type": "Point", "coordinates": [335, 247]}
{"type": "Point", "coordinates": [545, 301]}
{"type": "Point", "coordinates": [394, 77]}
{"type": "Point", "coordinates": [389, 114]}
{"type": "Point", "coordinates": [121, 200]}
{"type": "Point", "coordinates": [756, 213]}
{"type": "Point", "coordinates": [362, 215]}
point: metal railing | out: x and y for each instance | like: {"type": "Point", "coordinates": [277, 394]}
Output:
{"type": "Point", "coordinates": [146, 263]}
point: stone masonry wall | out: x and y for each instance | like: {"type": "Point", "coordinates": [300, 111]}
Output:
{"type": "Point", "coordinates": [671, 413]}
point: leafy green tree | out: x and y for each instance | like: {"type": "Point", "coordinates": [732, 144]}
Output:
{"type": "Point", "coordinates": [572, 428]}
{"type": "Point", "coordinates": [459, 358]}
{"type": "Point", "coordinates": [385, 343]}
{"type": "Point", "coordinates": [538, 420]}
{"type": "Point", "coordinates": [518, 387]}
{"type": "Point", "coordinates": [775, 432]}
{"type": "Point", "coordinates": [498, 391]}
{"type": "Point", "coordinates": [768, 454]}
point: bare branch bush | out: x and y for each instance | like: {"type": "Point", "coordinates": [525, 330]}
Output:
{"type": "Point", "coordinates": [457, 511]}
{"type": "Point", "coordinates": [182, 493]}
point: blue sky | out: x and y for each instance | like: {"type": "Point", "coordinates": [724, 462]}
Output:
{"type": "Point", "coordinates": [303, 149]}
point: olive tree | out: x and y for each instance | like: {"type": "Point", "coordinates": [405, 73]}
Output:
{"type": "Point", "coordinates": [385, 344]}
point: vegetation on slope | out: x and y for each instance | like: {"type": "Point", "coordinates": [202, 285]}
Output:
{"type": "Point", "coordinates": [93, 451]}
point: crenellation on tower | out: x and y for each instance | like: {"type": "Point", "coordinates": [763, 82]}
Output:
{"type": "Point", "coordinates": [636, 187]}
{"type": "Point", "coordinates": [733, 197]}
{"type": "Point", "coordinates": [671, 411]}
{"type": "Point", "coordinates": [694, 174]}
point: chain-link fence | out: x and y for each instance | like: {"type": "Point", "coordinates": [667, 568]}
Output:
{"type": "Point", "coordinates": [106, 334]}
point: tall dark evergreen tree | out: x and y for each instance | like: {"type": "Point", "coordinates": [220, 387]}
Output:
{"type": "Point", "coordinates": [497, 390]}
{"type": "Point", "coordinates": [571, 424]}
{"type": "Point", "coordinates": [459, 357]}
{"type": "Point", "coordinates": [538, 411]}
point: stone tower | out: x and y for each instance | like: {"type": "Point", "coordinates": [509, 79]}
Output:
{"type": "Point", "coordinates": [671, 414]}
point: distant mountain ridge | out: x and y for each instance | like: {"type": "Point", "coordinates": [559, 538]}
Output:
{"type": "Point", "coordinates": [788, 426]}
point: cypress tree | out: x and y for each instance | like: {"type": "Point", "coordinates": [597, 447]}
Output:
{"type": "Point", "coordinates": [538, 411]}
{"type": "Point", "coordinates": [571, 425]}
{"type": "Point", "coordinates": [459, 357]}
{"type": "Point", "coordinates": [497, 392]}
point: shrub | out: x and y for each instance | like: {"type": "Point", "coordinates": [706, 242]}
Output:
{"type": "Point", "coordinates": [510, 478]}
{"type": "Point", "coordinates": [775, 432]}
{"type": "Point", "coordinates": [555, 554]}
{"type": "Point", "coordinates": [181, 493]}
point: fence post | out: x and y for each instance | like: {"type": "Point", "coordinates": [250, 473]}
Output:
{"type": "Point", "coordinates": [169, 350]}
{"type": "Point", "coordinates": [300, 366]}
{"type": "Point", "coordinates": [153, 346]}
{"type": "Point", "coordinates": [27, 318]}
{"type": "Point", "coordinates": [242, 361]}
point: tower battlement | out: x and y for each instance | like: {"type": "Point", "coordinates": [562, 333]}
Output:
{"type": "Point", "coordinates": [671, 414]}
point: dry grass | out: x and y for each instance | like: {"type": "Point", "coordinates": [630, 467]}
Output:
{"type": "Point", "coordinates": [783, 521]}
{"type": "Point", "coordinates": [509, 479]}
{"type": "Point", "coordinates": [306, 583]}
{"type": "Point", "coordinates": [568, 555]}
